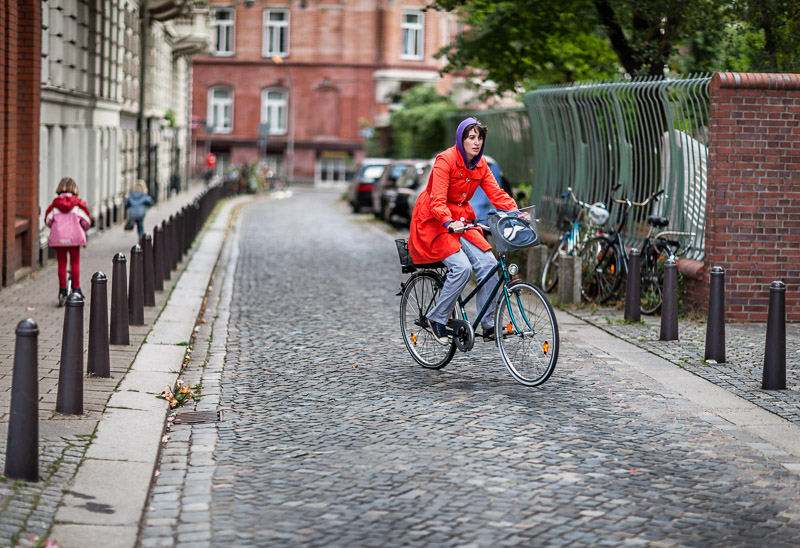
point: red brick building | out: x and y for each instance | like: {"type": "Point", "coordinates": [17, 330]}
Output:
{"type": "Point", "coordinates": [20, 50]}
{"type": "Point", "coordinates": [310, 76]}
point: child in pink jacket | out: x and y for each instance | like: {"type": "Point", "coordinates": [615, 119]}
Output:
{"type": "Point", "coordinates": [68, 219]}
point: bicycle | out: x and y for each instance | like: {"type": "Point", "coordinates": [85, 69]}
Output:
{"type": "Point", "coordinates": [655, 250]}
{"type": "Point", "coordinates": [526, 332]}
{"type": "Point", "coordinates": [576, 240]}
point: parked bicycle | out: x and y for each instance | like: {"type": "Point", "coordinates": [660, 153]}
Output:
{"type": "Point", "coordinates": [609, 263]}
{"type": "Point", "coordinates": [526, 332]}
{"type": "Point", "coordinates": [576, 234]}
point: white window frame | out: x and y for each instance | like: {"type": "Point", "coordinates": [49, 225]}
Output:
{"type": "Point", "coordinates": [330, 166]}
{"type": "Point", "coordinates": [413, 36]}
{"type": "Point", "coordinates": [279, 106]}
{"type": "Point", "coordinates": [271, 33]}
{"type": "Point", "coordinates": [228, 27]}
{"type": "Point", "coordinates": [215, 105]}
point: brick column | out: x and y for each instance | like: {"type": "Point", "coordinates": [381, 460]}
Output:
{"type": "Point", "coordinates": [753, 205]}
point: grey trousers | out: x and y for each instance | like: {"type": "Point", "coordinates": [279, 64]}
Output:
{"type": "Point", "coordinates": [460, 267]}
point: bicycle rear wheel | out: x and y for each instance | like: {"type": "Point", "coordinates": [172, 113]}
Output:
{"type": "Point", "coordinates": [527, 334]}
{"type": "Point", "coordinates": [419, 296]}
{"type": "Point", "coordinates": [652, 280]}
{"type": "Point", "coordinates": [550, 270]}
{"type": "Point", "coordinates": [602, 269]}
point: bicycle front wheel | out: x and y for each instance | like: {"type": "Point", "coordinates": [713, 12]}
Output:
{"type": "Point", "coordinates": [550, 270]}
{"type": "Point", "coordinates": [654, 260]}
{"type": "Point", "coordinates": [419, 297]}
{"type": "Point", "coordinates": [601, 269]}
{"type": "Point", "coordinates": [527, 334]}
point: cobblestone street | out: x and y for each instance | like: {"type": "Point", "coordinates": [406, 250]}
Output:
{"type": "Point", "coordinates": [333, 436]}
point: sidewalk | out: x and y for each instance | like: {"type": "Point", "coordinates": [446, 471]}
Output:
{"type": "Point", "coordinates": [96, 468]}
{"type": "Point", "coordinates": [745, 345]}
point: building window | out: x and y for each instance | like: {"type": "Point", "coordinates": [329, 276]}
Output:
{"type": "Point", "coordinates": [223, 31]}
{"type": "Point", "coordinates": [413, 34]}
{"type": "Point", "coordinates": [276, 33]}
{"type": "Point", "coordinates": [220, 110]}
{"type": "Point", "coordinates": [273, 110]}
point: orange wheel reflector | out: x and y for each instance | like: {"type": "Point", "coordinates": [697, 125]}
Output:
{"type": "Point", "coordinates": [413, 338]}
{"type": "Point", "coordinates": [545, 347]}
{"type": "Point", "coordinates": [510, 328]}
{"type": "Point", "coordinates": [612, 269]}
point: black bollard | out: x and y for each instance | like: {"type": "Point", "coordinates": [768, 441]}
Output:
{"type": "Point", "coordinates": [69, 399]}
{"type": "Point", "coordinates": [148, 269]}
{"type": "Point", "coordinates": [158, 259]}
{"type": "Point", "coordinates": [669, 305]}
{"type": "Point", "coordinates": [22, 447]}
{"type": "Point", "coordinates": [715, 327]}
{"type": "Point", "coordinates": [120, 334]}
{"type": "Point", "coordinates": [775, 354]}
{"type": "Point", "coordinates": [97, 359]}
{"type": "Point", "coordinates": [169, 237]}
{"type": "Point", "coordinates": [633, 289]}
{"type": "Point", "coordinates": [164, 244]}
{"type": "Point", "coordinates": [136, 288]}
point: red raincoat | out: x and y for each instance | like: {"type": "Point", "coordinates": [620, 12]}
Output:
{"type": "Point", "coordinates": [446, 198]}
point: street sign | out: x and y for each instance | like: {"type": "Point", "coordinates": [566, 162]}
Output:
{"type": "Point", "coordinates": [211, 160]}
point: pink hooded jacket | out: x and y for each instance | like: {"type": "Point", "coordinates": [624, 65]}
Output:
{"type": "Point", "coordinates": [68, 219]}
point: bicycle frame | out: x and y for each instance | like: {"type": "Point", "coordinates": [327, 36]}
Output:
{"type": "Point", "coordinates": [503, 280]}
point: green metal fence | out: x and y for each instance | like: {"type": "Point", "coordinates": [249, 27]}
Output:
{"type": "Point", "coordinates": [508, 140]}
{"type": "Point", "coordinates": [647, 134]}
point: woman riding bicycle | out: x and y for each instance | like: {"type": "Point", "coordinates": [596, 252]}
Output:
{"type": "Point", "coordinates": [441, 208]}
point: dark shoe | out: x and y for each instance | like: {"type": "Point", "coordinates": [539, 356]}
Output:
{"type": "Point", "coordinates": [488, 334]}
{"type": "Point", "coordinates": [77, 290]}
{"type": "Point", "coordinates": [439, 332]}
{"type": "Point", "coordinates": [62, 297]}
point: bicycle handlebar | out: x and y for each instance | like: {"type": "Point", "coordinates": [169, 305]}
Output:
{"type": "Point", "coordinates": [653, 196]}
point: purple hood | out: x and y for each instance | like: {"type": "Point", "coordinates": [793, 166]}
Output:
{"type": "Point", "coordinates": [460, 143]}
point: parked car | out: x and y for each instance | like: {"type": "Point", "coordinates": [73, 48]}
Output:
{"type": "Point", "coordinates": [385, 186]}
{"type": "Point", "coordinates": [398, 207]}
{"type": "Point", "coordinates": [359, 194]}
{"type": "Point", "coordinates": [480, 203]}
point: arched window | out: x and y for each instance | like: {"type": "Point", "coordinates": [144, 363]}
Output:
{"type": "Point", "coordinates": [273, 110]}
{"type": "Point", "coordinates": [220, 110]}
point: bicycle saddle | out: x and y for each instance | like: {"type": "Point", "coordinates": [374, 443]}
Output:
{"type": "Point", "coordinates": [657, 221]}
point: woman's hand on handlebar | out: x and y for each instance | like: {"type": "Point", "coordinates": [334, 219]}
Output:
{"type": "Point", "coordinates": [456, 226]}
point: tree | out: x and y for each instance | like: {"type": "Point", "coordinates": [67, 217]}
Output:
{"type": "Point", "coordinates": [520, 43]}
{"type": "Point", "coordinates": [778, 22]}
{"type": "Point", "coordinates": [524, 42]}
{"type": "Point", "coordinates": [418, 129]}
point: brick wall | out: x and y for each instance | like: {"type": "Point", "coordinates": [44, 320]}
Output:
{"type": "Point", "coordinates": [753, 205]}
{"type": "Point", "coordinates": [20, 45]}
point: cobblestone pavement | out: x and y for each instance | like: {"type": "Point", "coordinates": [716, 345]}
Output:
{"type": "Point", "coordinates": [332, 436]}
{"type": "Point", "coordinates": [28, 509]}
{"type": "Point", "coordinates": [744, 355]}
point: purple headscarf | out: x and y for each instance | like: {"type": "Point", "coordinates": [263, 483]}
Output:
{"type": "Point", "coordinates": [460, 143]}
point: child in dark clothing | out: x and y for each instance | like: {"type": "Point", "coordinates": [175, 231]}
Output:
{"type": "Point", "coordinates": [137, 203]}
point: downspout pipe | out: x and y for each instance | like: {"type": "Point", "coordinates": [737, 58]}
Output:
{"type": "Point", "coordinates": [140, 172]}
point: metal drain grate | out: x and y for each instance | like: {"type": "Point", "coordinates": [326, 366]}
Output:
{"type": "Point", "coordinates": [197, 417]}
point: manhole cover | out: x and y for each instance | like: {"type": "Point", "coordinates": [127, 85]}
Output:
{"type": "Point", "coordinates": [197, 417]}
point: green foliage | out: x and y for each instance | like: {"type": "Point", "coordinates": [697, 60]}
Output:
{"type": "Point", "coordinates": [777, 23]}
{"type": "Point", "coordinates": [418, 129]}
{"type": "Point", "coordinates": [523, 43]}
{"type": "Point", "coordinates": [518, 44]}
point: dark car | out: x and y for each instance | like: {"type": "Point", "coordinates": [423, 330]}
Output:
{"type": "Point", "coordinates": [386, 187]}
{"type": "Point", "coordinates": [399, 204]}
{"type": "Point", "coordinates": [480, 203]}
{"type": "Point", "coordinates": [359, 194]}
